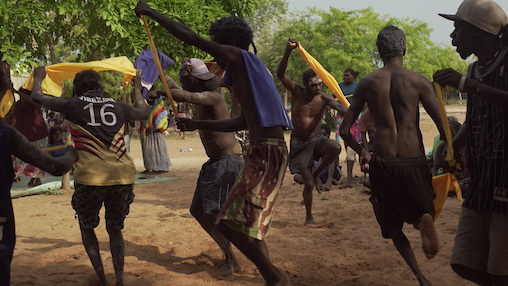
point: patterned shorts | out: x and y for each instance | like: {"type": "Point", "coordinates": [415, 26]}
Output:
{"type": "Point", "coordinates": [87, 202]}
{"type": "Point", "coordinates": [248, 208]}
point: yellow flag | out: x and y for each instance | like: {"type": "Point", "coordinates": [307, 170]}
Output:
{"type": "Point", "coordinates": [327, 78]}
{"type": "Point", "coordinates": [442, 184]}
{"type": "Point", "coordinates": [448, 134]}
{"type": "Point", "coordinates": [56, 74]}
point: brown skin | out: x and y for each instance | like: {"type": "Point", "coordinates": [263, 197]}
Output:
{"type": "Point", "coordinates": [470, 40]}
{"type": "Point", "coordinates": [308, 105]}
{"type": "Point", "coordinates": [230, 54]}
{"type": "Point", "coordinates": [28, 152]}
{"type": "Point", "coordinates": [393, 94]}
{"type": "Point", "coordinates": [90, 242]}
{"type": "Point", "coordinates": [209, 105]}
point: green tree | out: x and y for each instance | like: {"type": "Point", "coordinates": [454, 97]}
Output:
{"type": "Point", "coordinates": [52, 31]}
{"type": "Point", "coordinates": [347, 39]}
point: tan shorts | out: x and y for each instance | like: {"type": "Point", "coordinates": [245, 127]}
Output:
{"type": "Point", "coordinates": [481, 242]}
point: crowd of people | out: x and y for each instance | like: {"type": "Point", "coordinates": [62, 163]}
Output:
{"type": "Point", "coordinates": [237, 190]}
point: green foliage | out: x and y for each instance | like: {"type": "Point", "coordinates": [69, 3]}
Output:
{"type": "Point", "coordinates": [347, 39]}
{"type": "Point", "coordinates": [52, 31]}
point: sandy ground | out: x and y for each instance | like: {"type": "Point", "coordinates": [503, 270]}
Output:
{"type": "Point", "coordinates": [166, 246]}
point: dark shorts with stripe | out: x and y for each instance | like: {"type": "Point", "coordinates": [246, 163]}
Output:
{"type": "Point", "coordinates": [87, 202]}
{"type": "Point", "coordinates": [401, 191]}
{"type": "Point", "coordinates": [215, 181]}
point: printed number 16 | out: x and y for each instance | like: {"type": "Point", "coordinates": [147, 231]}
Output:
{"type": "Point", "coordinates": [103, 113]}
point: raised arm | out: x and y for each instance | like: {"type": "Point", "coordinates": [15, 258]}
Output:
{"type": "Point", "coordinates": [58, 104]}
{"type": "Point", "coordinates": [288, 83]}
{"type": "Point", "coordinates": [226, 53]}
{"type": "Point", "coordinates": [28, 152]}
{"type": "Point", "coordinates": [140, 112]}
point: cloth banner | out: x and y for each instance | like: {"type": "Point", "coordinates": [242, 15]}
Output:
{"type": "Point", "coordinates": [56, 74]}
{"type": "Point", "coordinates": [442, 184]}
{"type": "Point", "coordinates": [327, 78]}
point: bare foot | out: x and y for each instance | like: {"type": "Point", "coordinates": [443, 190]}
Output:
{"type": "Point", "coordinates": [229, 268]}
{"type": "Point", "coordinates": [309, 221]}
{"type": "Point", "coordinates": [318, 184]}
{"type": "Point", "coordinates": [430, 243]}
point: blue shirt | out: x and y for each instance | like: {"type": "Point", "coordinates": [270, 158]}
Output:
{"type": "Point", "coordinates": [348, 90]}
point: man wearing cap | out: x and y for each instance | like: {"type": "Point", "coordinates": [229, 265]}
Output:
{"type": "Point", "coordinates": [480, 253]}
{"type": "Point", "coordinates": [219, 173]}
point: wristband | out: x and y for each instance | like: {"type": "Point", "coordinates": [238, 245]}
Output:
{"type": "Point", "coordinates": [461, 83]}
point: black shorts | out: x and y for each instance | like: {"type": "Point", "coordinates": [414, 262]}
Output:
{"type": "Point", "coordinates": [401, 191]}
{"type": "Point", "coordinates": [87, 202]}
{"type": "Point", "coordinates": [215, 180]}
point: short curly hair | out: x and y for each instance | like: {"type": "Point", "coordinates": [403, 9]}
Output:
{"type": "Point", "coordinates": [391, 42]}
{"type": "Point", "coordinates": [87, 80]}
{"type": "Point", "coordinates": [232, 27]}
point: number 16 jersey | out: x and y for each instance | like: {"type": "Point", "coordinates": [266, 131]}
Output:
{"type": "Point", "coordinates": [97, 126]}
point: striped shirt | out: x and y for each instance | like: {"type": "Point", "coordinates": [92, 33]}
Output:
{"type": "Point", "coordinates": [487, 144]}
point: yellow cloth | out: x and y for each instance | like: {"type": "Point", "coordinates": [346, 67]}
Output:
{"type": "Point", "coordinates": [442, 184]}
{"type": "Point", "coordinates": [448, 134]}
{"type": "Point", "coordinates": [6, 103]}
{"type": "Point", "coordinates": [327, 78]}
{"type": "Point", "coordinates": [56, 74]}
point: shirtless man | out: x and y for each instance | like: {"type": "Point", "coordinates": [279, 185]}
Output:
{"type": "Point", "coordinates": [399, 173]}
{"type": "Point", "coordinates": [308, 104]}
{"type": "Point", "coordinates": [219, 173]}
{"type": "Point", "coordinates": [247, 213]}
{"type": "Point", "coordinates": [12, 142]}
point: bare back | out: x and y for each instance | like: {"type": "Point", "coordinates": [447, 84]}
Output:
{"type": "Point", "coordinates": [393, 94]}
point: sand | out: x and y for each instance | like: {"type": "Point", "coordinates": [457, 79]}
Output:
{"type": "Point", "coordinates": [164, 245]}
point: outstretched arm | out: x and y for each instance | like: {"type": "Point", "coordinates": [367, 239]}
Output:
{"type": "Point", "coordinates": [28, 152]}
{"type": "Point", "coordinates": [288, 83]}
{"type": "Point", "coordinates": [490, 94]}
{"type": "Point", "coordinates": [330, 101]}
{"type": "Point", "coordinates": [226, 125]}
{"type": "Point", "coordinates": [226, 53]}
{"type": "Point", "coordinates": [58, 104]}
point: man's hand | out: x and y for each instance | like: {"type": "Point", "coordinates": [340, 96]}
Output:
{"type": "Point", "coordinates": [185, 124]}
{"type": "Point", "coordinates": [40, 73]}
{"type": "Point", "coordinates": [137, 79]}
{"type": "Point", "coordinates": [447, 77]}
{"type": "Point", "coordinates": [365, 160]}
{"type": "Point", "coordinates": [292, 44]}
{"type": "Point", "coordinates": [142, 8]}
